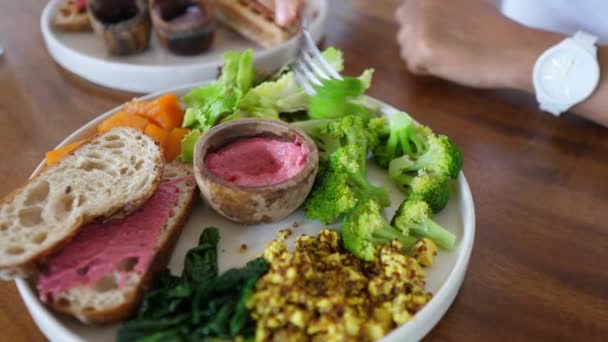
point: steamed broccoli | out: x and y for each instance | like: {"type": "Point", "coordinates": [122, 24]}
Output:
{"type": "Point", "coordinates": [365, 227]}
{"type": "Point", "coordinates": [432, 188]}
{"type": "Point", "coordinates": [330, 197]}
{"type": "Point", "coordinates": [342, 184]}
{"type": "Point", "coordinates": [401, 135]}
{"type": "Point", "coordinates": [414, 217]}
{"type": "Point", "coordinates": [442, 157]}
{"type": "Point", "coordinates": [349, 130]}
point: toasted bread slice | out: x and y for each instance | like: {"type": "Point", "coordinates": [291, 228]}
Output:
{"type": "Point", "coordinates": [245, 18]}
{"type": "Point", "coordinates": [72, 17]}
{"type": "Point", "coordinates": [117, 169]}
{"type": "Point", "coordinates": [117, 295]}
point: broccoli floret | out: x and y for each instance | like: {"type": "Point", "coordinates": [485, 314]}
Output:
{"type": "Point", "coordinates": [430, 188]}
{"type": "Point", "coordinates": [442, 157]}
{"type": "Point", "coordinates": [352, 160]}
{"type": "Point", "coordinates": [330, 197]}
{"type": "Point", "coordinates": [365, 227]}
{"type": "Point", "coordinates": [400, 135]}
{"type": "Point", "coordinates": [414, 217]}
{"type": "Point", "coordinates": [334, 134]}
{"type": "Point", "coordinates": [341, 185]}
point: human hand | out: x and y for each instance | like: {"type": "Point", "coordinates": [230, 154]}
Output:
{"type": "Point", "coordinates": [286, 11]}
{"type": "Point", "coordinates": [469, 42]}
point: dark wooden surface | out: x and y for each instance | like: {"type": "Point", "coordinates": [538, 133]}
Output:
{"type": "Point", "coordinates": [539, 269]}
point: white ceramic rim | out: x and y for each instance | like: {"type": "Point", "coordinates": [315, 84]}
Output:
{"type": "Point", "coordinates": [413, 330]}
{"type": "Point", "coordinates": [84, 65]}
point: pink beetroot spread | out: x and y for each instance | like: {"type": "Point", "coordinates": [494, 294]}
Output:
{"type": "Point", "coordinates": [102, 248]}
{"type": "Point", "coordinates": [258, 161]}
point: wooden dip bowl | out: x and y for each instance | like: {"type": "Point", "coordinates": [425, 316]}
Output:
{"type": "Point", "coordinates": [246, 204]}
{"type": "Point", "coordinates": [184, 27]}
{"type": "Point", "coordinates": [123, 24]}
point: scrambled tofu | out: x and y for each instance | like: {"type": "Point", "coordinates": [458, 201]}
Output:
{"type": "Point", "coordinates": [320, 292]}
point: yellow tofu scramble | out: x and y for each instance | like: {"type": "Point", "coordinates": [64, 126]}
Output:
{"type": "Point", "coordinates": [320, 292]}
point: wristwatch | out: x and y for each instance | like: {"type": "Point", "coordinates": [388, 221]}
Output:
{"type": "Point", "coordinates": [566, 73]}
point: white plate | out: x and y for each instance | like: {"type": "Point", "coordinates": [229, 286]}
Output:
{"type": "Point", "coordinates": [85, 55]}
{"type": "Point", "coordinates": [444, 279]}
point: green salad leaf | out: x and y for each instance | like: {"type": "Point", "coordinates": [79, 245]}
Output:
{"type": "Point", "coordinates": [188, 143]}
{"type": "Point", "coordinates": [206, 105]}
{"type": "Point", "coordinates": [336, 99]}
{"type": "Point", "coordinates": [271, 98]}
{"type": "Point", "coordinates": [199, 305]}
{"type": "Point", "coordinates": [334, 57]}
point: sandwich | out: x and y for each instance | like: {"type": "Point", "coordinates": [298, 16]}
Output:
{"type": "Point", "coordinates": [114, 171]}
{"type": "Point", "coordinates": [255, 20]}
{"type": "Point", "coordinates": [93, 229]}
{"type": "Point", "coordinates": [72, 16]}
{"type": "Point", "coordinates": [103, 273]}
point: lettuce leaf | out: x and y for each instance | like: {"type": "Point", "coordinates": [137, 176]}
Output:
{"type": "Point", "coordinates": [269, 99]}
{"type": "Point", "coordinates": [337, 98]}
{"type": "Point", "coordinates": [334, 57]}
{"type": "Point", "coordinates": [206, 105]}
{"type": "Point", "coordinates": [187, 155]}
{"type": "Point", "coordinates": [366, 78]}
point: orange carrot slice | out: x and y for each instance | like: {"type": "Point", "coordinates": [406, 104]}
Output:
{"type": "Point", "coordinates": [54, 156]}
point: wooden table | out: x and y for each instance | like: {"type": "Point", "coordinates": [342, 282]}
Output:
{"type": "Point", "coordinates": [539, 269]}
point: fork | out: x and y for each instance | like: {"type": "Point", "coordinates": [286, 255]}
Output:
{"type": "Point", "coordinates": [310, 68]}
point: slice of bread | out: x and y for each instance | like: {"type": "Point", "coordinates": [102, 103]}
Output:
{"type": "Point", "coordinates": [72, 17]}
{"type": "Point", "coordinates": [105, 301]}
{"type": "Point", "coordinates": [244, 17]}
{"type": "Point", "coordinates": [117, 169]}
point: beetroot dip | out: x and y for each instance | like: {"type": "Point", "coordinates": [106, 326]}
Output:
{"type": "Point", "coordinates": [100, 249]}
{"type": "Point", "coordinates": [258, 161]}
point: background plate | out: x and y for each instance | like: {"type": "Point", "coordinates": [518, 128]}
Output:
{"type": "Point", "coordinates": [155, 69]}
{"type": "Point", "coordinates": [443, 280]}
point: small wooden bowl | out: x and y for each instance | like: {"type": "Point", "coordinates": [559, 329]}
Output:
{"type": "Point", "coordinates": [186, 37]}
{"type": "Point", "coordinates": [122, 36]}
{"type": "Point", "coordinates": [250, 205]}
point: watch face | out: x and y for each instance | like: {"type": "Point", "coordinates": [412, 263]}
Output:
{"type": "Point", "coordinates": [566, 75]}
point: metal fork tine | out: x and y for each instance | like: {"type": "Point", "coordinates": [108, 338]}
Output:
{"type": "Point", "coordinates": [318, 56]}
{"type": "Point", "coordinates": [304, 83]}
{"type": "Point", "coordinates": [310, 65]}
{"type": "Point", "coordinates": [310, 75]}
{"type": "Point", "coordinates": [314, 66]}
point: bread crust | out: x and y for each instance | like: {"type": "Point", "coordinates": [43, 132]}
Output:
{"type": "Point", "coordinates": [10, 271]}
{"type": "Point", "coordinates": [128, 307]}
{"type": "Point", "coordinates": [247, 20]}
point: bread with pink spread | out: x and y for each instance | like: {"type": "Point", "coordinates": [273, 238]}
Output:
{"type": "Point", "coordinates": [102, 274]}
{"type": "Point", "coordinates": [114, 171]}
{"type": "Point", "coordinates": [254, 20]}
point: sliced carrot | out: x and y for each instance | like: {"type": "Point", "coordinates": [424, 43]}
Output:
{"type": "Point", "coordinates": [170, 113]}
{"type": "Point", "coordinates": [160, 134]}
{"type": "Point", "coordinates": [136, 107]}
{"type": "Point", "coordinates": [54, 156]}
{"type": "Point", "coordinates": [174, 143]}
{"type": "Point", "coordinates": [165, 111]}
{"type": "Point", "coordinates": [123, 118]}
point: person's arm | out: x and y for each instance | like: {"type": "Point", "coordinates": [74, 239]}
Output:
{"type": "Point", "coordinates": [470, 42]}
